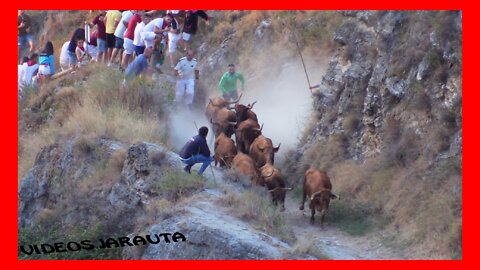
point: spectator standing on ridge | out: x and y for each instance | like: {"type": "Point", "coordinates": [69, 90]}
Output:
{"type": "Point", "coordinates": [138, 41]}
{"type": "Point", "coordinates": [128, 38]}
{"type": "Point", "coordinates": [190, 25]}
{"type": "Point", "coordinates": [196, 151]}
{"type": "Point", "coordinates": [173, 35]}
{"type": "Point", "coordinates": [186, 72]}
{"type": "Point", "coordinates": [99, 21]}
{"type": "Point", "coordinates": [119, 35]}
{"type": "Point", "coordinates": [24, 34]}
{"type": "Point", "coordinates": [91, 47]}
{"type": "Point", "coordinates": [228, 83]}
{"type": "Point", "coordinates": [112, 19]}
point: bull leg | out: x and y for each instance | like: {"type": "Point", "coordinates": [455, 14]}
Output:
{"type": "Point", "coordinates": [312, 218]}
{"type": "Point", "coordinates": [322, 216]}
{"type": "Point", "coordinates": [303, 201]}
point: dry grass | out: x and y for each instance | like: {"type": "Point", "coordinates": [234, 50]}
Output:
{"type": "Point", "coordinates": [175, 185]}
{"type": "Point", "coordinates": [307, 246]}
{"type": "Point", "coordinates": [90, 110]}
{"type": "Point", "coordinates": [256, 208]}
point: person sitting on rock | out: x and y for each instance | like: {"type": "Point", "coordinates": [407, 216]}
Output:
{"type": "Point", "coordinates": [196, 151]}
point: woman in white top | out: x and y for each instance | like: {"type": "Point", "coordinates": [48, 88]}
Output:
{"type": "Point", "coordinates": [64, 59]}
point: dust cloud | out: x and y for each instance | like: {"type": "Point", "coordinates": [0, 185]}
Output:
{"type": "Point", "coordinates": [284, 102]}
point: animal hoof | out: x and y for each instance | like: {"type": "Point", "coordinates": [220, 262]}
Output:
{"type": "Point", "coordinates": [301, 207]}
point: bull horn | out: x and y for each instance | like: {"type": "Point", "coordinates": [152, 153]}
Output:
{"type": "Point", "coordinates": [236, 101]}
{"type": "Point", "coordinates": [251, 106]}
{"type": "Point", "coordinates": [232, 123]}
{"type": "Point", "coordinates": [230, 108]}
{"type": "Point", "coordinates": [272, 190]}
{"type": "Point", "coordinates": [316, 193]}
{"type": "Point", "coordinates": [271, 173]}
{"type": "Point", "coordinates": [210, 101]}
{"type": "Point", "coordinates": [335, 195]}
{"type": "Point", "coordinates": [259, 129]}
{"type": "Point", "coordinates": [288, 189]}
{"type": "Point", "coordinates": [277, 148]}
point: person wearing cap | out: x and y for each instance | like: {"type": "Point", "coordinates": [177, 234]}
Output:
{"type": "Point", "coordinates": [196, 151]}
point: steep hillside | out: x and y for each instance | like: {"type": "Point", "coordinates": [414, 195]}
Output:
{"type": "Point", "coordinates": [388, 125]}
{"type": "Point", "coordinates": [95, 156]}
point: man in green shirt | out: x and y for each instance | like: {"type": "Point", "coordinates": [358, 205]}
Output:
{"type": "Point", "coordinates": [228, 83]}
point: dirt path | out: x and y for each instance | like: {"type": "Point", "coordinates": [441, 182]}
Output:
{"type": "Point", "coordinates": [332, 242]}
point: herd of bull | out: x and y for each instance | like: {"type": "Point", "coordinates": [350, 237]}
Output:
{"type": "Point", "coordinates": [252, 154]}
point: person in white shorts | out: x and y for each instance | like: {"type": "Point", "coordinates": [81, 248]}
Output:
{"type": "Point", "coordinates": [173, 35]}
{"type": "Point", "coordinates": [128, 37]}
{"type": "Point", "coordinates": [186, 72]}
{"type": "Point", "coordinates": [154, 30]}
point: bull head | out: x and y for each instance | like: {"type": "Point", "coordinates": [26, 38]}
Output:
{"type": "Point", "coordinates": [332, 196]}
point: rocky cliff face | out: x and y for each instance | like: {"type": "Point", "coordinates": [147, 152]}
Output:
{"type": "Point", "coordinates": [133, 201]}
{"type": "Point", "coordinates": [388, 123]}
{"type": "Point", "coordinates": [391, 65]}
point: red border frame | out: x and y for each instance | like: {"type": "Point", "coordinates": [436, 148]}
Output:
{"type": "Point", "coordinates": [9, 111]}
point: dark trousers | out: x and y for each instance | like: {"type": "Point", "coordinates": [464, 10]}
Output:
{"type": "Point", "coordinates": [232, 95]}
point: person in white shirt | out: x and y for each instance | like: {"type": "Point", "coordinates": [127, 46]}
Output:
{"type": "Point", "coordinates": [153, 31]}
{"type": "Point", "coordinates": [30, 69]}
{"type": "Point", "coordinates": [119, 34]}
{"type": "Point", "coordinates": [138, 41]}
{"type": "Point", "coordinates": [186, 72]}
{"type": "Point", "coordinates": [64, 59]}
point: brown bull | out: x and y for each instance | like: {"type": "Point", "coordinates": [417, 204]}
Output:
{"type": "Point", "coordinates": [318, 188]}
{"type": "Point", "coordinates": [262, 151]}
{"type": "Point", "coordinates": [225, 151]}
{"type": "Point", "coordinates": [223, 121]}
{"type": "Point", "coordinates": [244, 112]}
{"type": "Point", "coordinates": [246, 133]}
{"type": "Point", "coordinates": [215, 104]}
{"type": "Point", "coordinates": [275, 183]}
{"type": "Point", "coordinates": [245, 165]}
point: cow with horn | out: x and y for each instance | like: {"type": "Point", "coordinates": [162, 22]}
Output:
{"type": "Point", "coordinates": [215, 104]}
{"type": "Point", "coordinates": [246, 132]}
{"type": "Point", "coordinates": [244, 164]}
{"type": "Point", "coordinates": [262, 151]}
{"type": "Point", "coordinates": [274, 182]}
{"type": "Point", "coordinates": [225, 151]}
{"type": "Point", "coordinates": [318, 188]}
{"type": "Point", "coordinates": [244, 112]}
